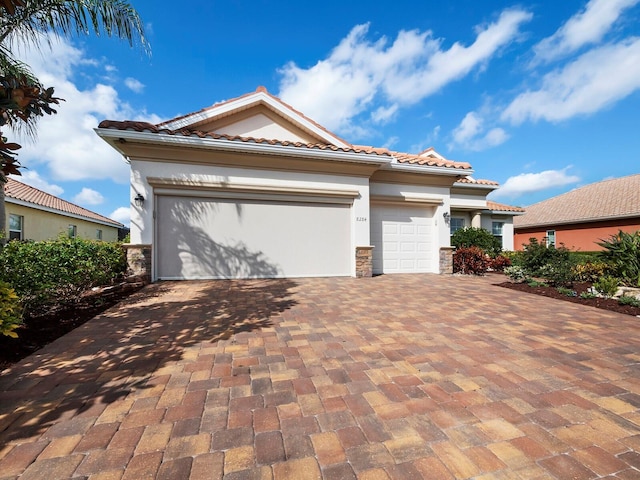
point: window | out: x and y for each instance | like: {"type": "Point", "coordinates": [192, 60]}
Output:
{"type": "Point", "coordinates": [15, 227]}
{"type": "Point", "coordinates": [73, 231]}
{"type": "Point", "coordinates": [98, 234]}
{"type": "Point", "coordinates": [496, 228]}
{"type": "Point", "coordinates": [551, 238]}
{"type": "Point", "coordinates": [456, 224]}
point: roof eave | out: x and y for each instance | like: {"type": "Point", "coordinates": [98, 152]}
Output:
{"type": "Point", "coordinates": [118, 138]}
{"type": "Point", "coordinates": [428, 169]}
{"type": "Point", "coordinates": [24, 203]}
{"type": "Point", "coordinates": [586, 220]}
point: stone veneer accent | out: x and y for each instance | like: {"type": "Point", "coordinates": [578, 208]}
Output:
{"type": "Point", "coordinates": [364, 262]}
{"type": "Point", "coordinates": [138, 261]}
{"type": "Point", "coordinates": [446, 260]}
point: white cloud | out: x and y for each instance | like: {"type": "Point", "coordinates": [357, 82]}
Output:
{"type": "Point", "coordinates": [122, 215]}
{"type": "Point", "coordinates": [360, 74]}
{"type": "Point", "coordinates": [470, 134]}
{"type": "Point", "coordinates": [134, 84]}
{"type": "Point", "coordinates": [594, 81]}
{"type": "Point", "coordinates": [66, 142]}
{"type": "Point", "coordinates": [33, 178]}
{"type": "Point", "coordinates": [384, 114]}
{"type": "Point", "coordinates": [535, 182]}
{"type": "Point", "coordinates": [586, 27]}
{"type": "Point", "coordinates": [88, 196]}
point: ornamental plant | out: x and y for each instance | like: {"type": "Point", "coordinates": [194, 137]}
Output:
{"type": "Point", "coordinates": [10, 311]}
{"type": "Point", "coordinates": [470, 261]}
{"type": "Point", "coordinates": [606, 286]}
{"type": "Point", "coordinates": [622, 253]}
{"type": "Point", "coordinates": [477, 237]}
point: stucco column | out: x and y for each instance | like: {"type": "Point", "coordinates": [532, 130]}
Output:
{"type": "Point", "coordinates": [476, 219]}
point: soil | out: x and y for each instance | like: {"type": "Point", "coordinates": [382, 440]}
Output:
{"type": "Point", "coordinates": [604, 303]}
{"type": "Point", "coordinates": [38, 331]}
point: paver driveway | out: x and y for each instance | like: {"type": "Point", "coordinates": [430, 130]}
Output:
{"type": "Point", "coordinates": [406, 376]}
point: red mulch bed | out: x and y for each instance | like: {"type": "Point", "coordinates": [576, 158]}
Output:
{"type": "Point", "coordinates": [604, 303]}
{"type": "Point", "coordinates": [38, 331]}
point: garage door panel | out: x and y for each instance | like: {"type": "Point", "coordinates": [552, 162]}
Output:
{"type": "Point", "coordinates": [213, 238]}
{"type": "Point", "coordinates": [402, 239]}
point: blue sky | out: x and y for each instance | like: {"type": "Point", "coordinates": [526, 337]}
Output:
{"type": "Point", "coordinates": [541, 97]}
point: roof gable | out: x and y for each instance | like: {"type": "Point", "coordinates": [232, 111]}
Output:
{"type": "Point", "coordinates": [257, 115]}
{"type": "Point", "coordinates": [18, 192]}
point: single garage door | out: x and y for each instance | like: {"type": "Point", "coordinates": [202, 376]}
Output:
{"type": "Point", "coordinates": [201, 238]}
{"type": "Point", "coordinates": [402, 237]}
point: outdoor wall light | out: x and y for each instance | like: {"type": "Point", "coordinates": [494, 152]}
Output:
{"type": "Point", "coordinates": [139, 200]}
{"type": "Point", "coordinates": [446, 217]}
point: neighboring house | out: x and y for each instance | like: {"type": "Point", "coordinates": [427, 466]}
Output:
{"type": "Point", "coordinates": [36, 215]}
{"type": "Point", "coordinates": [580, 218]}
{"type": "Point", "coordinates": [253, 188]}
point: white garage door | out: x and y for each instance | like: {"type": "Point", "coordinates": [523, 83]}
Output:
{"type": "Point", "coordinates": [212, 238]}
{"type": "Point", "coordinates": [402, 237]}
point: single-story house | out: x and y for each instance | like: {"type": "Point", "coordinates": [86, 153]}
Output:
{"type": "Point", "coordinates": [36, 215]}
{"type": "Point", "coordinates": [580, 218]}
{"type": "Point", "coordinates": [251, 187]}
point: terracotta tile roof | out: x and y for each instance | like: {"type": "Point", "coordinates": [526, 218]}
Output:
{"type": "Point", "coordinates": [501, 207]}
{"type": "Point", "coordinates": [26, 193]}
{"type": "Point", "coordinates": [609, 199]}
{"type": "Point", "coordinates": [473, 181]}
{"type": "Point", "coordinates": [148, 127]}
{"type": "Point", "coordinates": [416, 159]}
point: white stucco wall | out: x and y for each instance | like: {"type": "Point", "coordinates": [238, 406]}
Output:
{"type": "Point", "coordinates": [142, 218]}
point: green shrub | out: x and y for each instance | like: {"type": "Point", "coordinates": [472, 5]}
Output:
{"type": "Point", "coordinates": [567, 291]}
{"type": "Point", "coordinates": [57, 271]}
{"type": "Point", "coordinates": [537, 283]}
{"type": "Point", "coordinates": [516, 273]}
{"type": "Point", "coordinates": [622, 253]}
{"type": "Point", "coordinates": [549, 262]}
{"type": "Point", "coordinates": [606, 286]}
{"type": "Point", "coordinates": [588, 295]}
{"type": "Point", "coordinates": [629, 300]}
{"type": "Point", "coordinates": [10, 310]}
{"type": "Point", "coordinates": [477, 237]}
{"type": "Point", "coordinates": [470, 261]}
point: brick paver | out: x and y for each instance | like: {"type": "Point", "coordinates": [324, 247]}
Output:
{"type": "Point", "coordinates": [405, 376]}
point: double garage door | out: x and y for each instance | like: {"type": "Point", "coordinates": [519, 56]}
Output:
{"type": "Point", "coordinates": [200, 238]}
{"type": "Point", "coordinates": [402, 238]}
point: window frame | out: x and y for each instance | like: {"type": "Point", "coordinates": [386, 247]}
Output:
{"type": "Point", "coordinates": [12, 231]}
{"type": "Point", "coordinates": [550, 234]}
{"type": "Point", "coordinates": [72, 231]}
{"type": "Point", "coordinates": [453, 220]}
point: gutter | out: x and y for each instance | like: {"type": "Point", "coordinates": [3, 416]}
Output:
{"type": "Point", "coordinates": [116, 137]}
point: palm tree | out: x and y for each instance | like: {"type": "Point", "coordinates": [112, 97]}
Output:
{"type": "Point", "coordinates": [23, 98]}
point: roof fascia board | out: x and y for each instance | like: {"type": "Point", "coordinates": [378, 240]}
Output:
{"type": "Point", "coordinates": [113, 136]}
{"type": "Point", "coordinates": [479, 186]}
{"type": "Point", "coordinates": [35, 206]}
{"type": "Point", "coordinates": [428, 169]}
{"type": "Point", "coordinates": [249, 101]}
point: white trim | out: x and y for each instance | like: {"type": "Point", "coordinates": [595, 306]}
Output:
{"type": "Point", "coordinates": [407, 200]}
{"type": "Point", "coordinates": [250, 101]}
{"type": "Point", "coordinates": [481, 186]}
{"type": "Point", "coordinates": [35, 206]}
{"type": "Point", "coordinates": [239, 146]}
{"type": "Point", "coordinates": [427, 169]}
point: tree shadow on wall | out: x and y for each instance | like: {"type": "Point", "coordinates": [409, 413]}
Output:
{"type": "Point", "coordinates": [190, 251]}
{"type": "Point", "coordinates": [74, 379]}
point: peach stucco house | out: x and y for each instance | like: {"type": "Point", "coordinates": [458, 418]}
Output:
{"type": "Point", "coordinates": [580, 218]}
{"type": "Point", "coordinates": [251, 187]}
